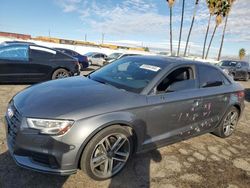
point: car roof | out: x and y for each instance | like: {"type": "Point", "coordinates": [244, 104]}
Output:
{"type": "Point", "coordinates": [237, 61]}
{"type": "Point", "coordinates": [169, 60]}
{"type": "Point", "coordinates": [29, 44]}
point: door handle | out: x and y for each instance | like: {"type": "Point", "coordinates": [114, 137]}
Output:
{"type": "Point", "coordinates": [196, 103]}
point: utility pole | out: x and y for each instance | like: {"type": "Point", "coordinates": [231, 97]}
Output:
{"type": "Point", "coordinates": [85, 37]}
{"type": "Point", "coordinates": [103, 35]}
{"type": "Point", "coordinates": [49, 36]}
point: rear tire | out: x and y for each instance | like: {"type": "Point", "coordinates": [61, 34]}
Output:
{"type": "Point", "coordinates": [107, 153]}
{"type": "Point", "coordinates": [247, 77]}
{"type": "Point", "coordinates": [228, 124]}
{"type": "Point", "coordinates": [60, 73]}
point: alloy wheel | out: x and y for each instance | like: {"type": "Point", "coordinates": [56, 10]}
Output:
{"type": "Point", "coordinates": [61, 75]}
{"type": "Point", "coordinates": [110, 155]}
{"type": "Point", "coordinates": [230, 122]}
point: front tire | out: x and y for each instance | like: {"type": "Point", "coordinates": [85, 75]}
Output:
{"type": "Point", "coordinates": [228, 124]}
{"type": "Point", "coordinates": [60, 73]}
{"type": "Point", "coordinates": [107, 153]}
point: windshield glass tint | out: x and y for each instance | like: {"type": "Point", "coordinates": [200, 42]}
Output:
{"type": "Point", "coordinates": [130, 74]}
{"type": "Point", "coordinates": [14, 52]}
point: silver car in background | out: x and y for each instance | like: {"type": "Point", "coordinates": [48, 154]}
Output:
{"type": "Point", "coordinates": [96, 58]}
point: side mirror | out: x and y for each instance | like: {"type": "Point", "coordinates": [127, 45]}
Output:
{"type": "Point", "coordinates": [238, 66]}
{"type": "Point", "coordinates": [181, 85]}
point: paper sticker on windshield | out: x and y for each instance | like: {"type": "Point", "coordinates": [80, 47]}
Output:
{"type": "Point", "coordinates": [150, 67]}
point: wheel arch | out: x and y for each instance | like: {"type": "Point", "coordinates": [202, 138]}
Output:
{"type": "Point", "coordinates": [56, 68]}
{"type": "Point", "coordinates": [130, 126]}
{"type": "Point", "coordinates": [236, 105]}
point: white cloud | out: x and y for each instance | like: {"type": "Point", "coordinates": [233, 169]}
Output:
{"type": "Point", "coordinates": [142, 17]}
{"type": "Point", "coordinates": [69, 5]}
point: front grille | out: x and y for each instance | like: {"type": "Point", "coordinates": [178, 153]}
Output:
{"type": "Point", "coordinates": [14, 124]}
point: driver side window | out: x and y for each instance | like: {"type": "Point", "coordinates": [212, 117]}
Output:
{"type": "Point", "coordinates": [179, 79]}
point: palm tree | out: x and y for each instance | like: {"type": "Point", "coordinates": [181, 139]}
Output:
{"type": "Point", "coordinates": [191, 27]}
{"type": "Point", "coordinates": [219, 15]}
{"type": "Point", "coordinates": [218, 22]}
{"type": "Point", "coordinates": [182, 17]}
{"type": "Point", "coordinates": [211, 6]}
{"type": "Point", "coordinates": [227, 6]}
{"type": "Point", "coordinates": [242, 53]}
{"type": "Point", "coordinates": [171, 4]}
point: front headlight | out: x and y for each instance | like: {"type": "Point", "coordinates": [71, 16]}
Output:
{"type": "Point", "coordinates": [51, 127]}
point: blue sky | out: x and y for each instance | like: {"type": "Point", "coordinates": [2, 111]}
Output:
{"type": "Point", "coordinates": [137, 22]}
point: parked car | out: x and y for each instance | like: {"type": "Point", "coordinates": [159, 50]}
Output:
{"type": "Point", "coordinates": [32, 63]}
{"type": "Point", "coordinates": [16, 42]}
{"type": "Point", "coordinates": [96, 58]}
{"type": "Point", "coordinates": [138, 103]}
{"type": "Point", "coordinates": [239, 70]}
{"type": "Point", "coordinates": [82, 59]}
{"type": "Point", "coordinates": [115, 56]}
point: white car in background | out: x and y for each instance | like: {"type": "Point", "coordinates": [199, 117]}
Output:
{"type": "Point", "coordinates": [96, 58]}
{"type": "Point", "coordinates": [115, 56]}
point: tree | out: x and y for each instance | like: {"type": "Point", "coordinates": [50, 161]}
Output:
{"type": "Point", "coordinates": [182, 18]}
{"type": "Point", "coordinates": [242, 53]}
{"type": "Point", "coordinates": [211, 4]}
{"type": "Point", "coordinates": [219, 15]}
{"type": "Point", "coordinates": [227, 6]}
{"type": "Point", "coordinates": [146, 49]}
{"type": "Point", "coordinates": [191, 27]}
{"type": "Point", "coordinates": [218, 22]}
{"type": "Point", "coordinates": [171, 4]}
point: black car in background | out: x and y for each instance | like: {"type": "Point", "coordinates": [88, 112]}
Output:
{"type": "Point", "coordinates": [83, 60]}
{"type": "Point", "coordinates": [32, 63]}
{"type": "Point", "coordinates": [239, 70]}
{"type": "Point", "coordinates": [17, 42]}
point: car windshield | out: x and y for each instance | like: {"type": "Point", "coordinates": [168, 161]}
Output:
{"type": "Point", "coordinates": [130, 74]}
{"type": "Point", "coordinates": [228, 63]}
{"type": "Point", "coordinates": [114, 55]}
{"type": "Point", "coordinates": [90, 54]}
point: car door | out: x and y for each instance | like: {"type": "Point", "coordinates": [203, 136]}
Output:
{"type": "Point", "coordinates": [174, 115]}
{"type": "Point", "coordinates": [215, 95]}
{"type": "Point", "coordinates": [41, 63]}
{"type": "Point", "coordinates": [14, 62]}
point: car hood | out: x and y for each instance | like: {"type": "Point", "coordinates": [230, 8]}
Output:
{"type": "Point", "coordinates": [72, 98]}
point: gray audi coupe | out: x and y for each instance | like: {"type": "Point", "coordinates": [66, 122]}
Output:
{"type": "Point", "coordinates": [135, 104]}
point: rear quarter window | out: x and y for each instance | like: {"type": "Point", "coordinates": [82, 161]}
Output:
{"type": "Point", "coordinates": [41, 55]}
{"type": "Point", "coordinates": [211, 77]}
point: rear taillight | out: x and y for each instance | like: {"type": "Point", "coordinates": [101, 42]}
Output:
{"type": "Point", "coordinates": [241, 94]}
{"type": "Point", "coordinates": [85, 58]}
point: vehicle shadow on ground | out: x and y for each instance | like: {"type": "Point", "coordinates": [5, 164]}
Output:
{"type": "Point", "coordinates": [137, 171]}
{"type": "Point", "coordinates": [13, 176]}
{"type": "Point", "coordinates": [247, 93]}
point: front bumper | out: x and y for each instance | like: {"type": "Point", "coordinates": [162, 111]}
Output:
{"type": "Point", "coordinates": [39, 152]}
